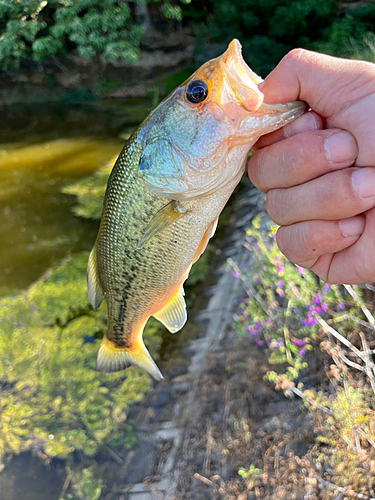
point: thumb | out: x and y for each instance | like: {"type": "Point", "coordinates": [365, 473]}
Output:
{"type": "Point", "coordinates": [328, 84]}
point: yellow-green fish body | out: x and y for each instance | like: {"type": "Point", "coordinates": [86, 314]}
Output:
{"type": "Point", "coordinates": [164, 196]}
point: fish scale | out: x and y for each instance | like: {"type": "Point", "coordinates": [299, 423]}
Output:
{"type": "Point", "coordinates": [164, 196]}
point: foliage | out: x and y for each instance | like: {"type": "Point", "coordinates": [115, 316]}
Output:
{"type": "Point", "coordinates": [37, 30]}
{"type": "Point", "coordinates": [352, 35]}
{"type": "Point", "coordinates": [268, 29]}
{"type": "Point", "coordinates": [287, 310]}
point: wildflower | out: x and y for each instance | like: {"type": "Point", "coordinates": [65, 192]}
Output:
{"type": "Point", "coordinates": [258, 326]}
{"type": "Point", "coordinates": [243, 267]}
{"type": "Point", "coordinates": [280, 283]}
{"type": "Point", "coordinates": [326, 288]}
{"type": "Point", "coordinates": [340, 307]}
{"type": "Point", "coordinates": [317, 300]}
{"type": "Point", "coordinates": [324, 307]}
{"type": "Point", "coordinates": [259, 342]}
{"type": "Point", "coordinates": [251, 330]}
{"type": "Point", "coordinates": [302, 352]}
{"type": "Point", "coordinates": [280, 268]}
{"type": "Point", "coordinates": [234, 274]}
{"type": "Point", "coordinates": [298, 342]}
{"type": "Point", "coordinates": [309, 322]}
{"type": "Point", "coordinates": [267, 320]}
{"type": "Point", "coordinates": [300, 270]}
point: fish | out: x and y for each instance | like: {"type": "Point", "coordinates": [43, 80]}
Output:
{"type": "Point", "coordinates": [164, 197]}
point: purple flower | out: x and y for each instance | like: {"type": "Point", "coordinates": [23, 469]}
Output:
{"type": "Point", "coordinates": [243, 267]}
{"type": "Point", "coordinates": [267, 320]}
{"type": "Point", "coordinates": [259, 342]}
{"type": "Point", "coordinates": [327, 286]}
{"type": "Point", "coordinates": [302, 352]}
{"type": "Point", "coordinates": [300, 270]}
{"type": "Point", "coordinates": [309, 322]}
{"type": "Point", "coordinates": [235, 275]}
{"type": "Point", "coordinates": [317, 300]}
{"type": "Point", "coordinates": [251, 330]}
{"type": "Point", "coordinates": [280, 293]}
{"type": "Point", "coordinates": [258, 326]}
{"type": "Point", "coordinates": [280, 268]}
{"type": "Point", "coordinates": [298, 342]}
{"type": "Point", "coordinates": [274, 236]}
{"type": "Point", "coordinates": [280, 283]}
{"type": "Point", "coordinates": [324, 307]}
{"type": "Point", "coordinates": [340, 307]}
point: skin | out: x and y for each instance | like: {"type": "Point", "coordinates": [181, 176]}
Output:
{"type": "Point", "coordinates": [319, 171]}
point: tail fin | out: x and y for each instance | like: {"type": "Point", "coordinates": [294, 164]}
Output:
{"type": "Point", "coordinates": [114, 359]}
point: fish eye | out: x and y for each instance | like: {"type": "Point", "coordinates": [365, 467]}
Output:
{"type": "Point", "coordinates": [196, 91]}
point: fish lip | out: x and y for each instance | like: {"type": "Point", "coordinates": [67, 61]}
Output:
{"type": "Point", "coordinates": [273, 109]}
{"type": "Point", "coordinates": [243, 82]}
{"type": "Point", "coordinates": [234, 54]}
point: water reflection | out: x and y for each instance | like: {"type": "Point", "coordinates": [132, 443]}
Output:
{"type": "Point", "coordinates": [43, 149]}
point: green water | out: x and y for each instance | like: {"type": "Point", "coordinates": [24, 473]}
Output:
{"type": "Point", "coordinates": [43, 149]}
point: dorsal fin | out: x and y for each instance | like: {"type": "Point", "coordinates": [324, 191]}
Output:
{"type": "Point", "coordinates": [94, 289]}
{"type": "Point", "coordinates": [173, 315]}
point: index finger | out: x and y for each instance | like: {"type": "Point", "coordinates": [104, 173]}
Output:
{"type": "Point", "coordinates": [328, 84]}
{"type": "Point", "coordinates": [308, 122]}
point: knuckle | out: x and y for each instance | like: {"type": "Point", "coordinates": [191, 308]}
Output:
{"type": "Point", "coordinates": [273, 206]}
{"type": "Point", "coordinates": [294, 56]}
{"type": "Point", "coordinates": [256, 168]}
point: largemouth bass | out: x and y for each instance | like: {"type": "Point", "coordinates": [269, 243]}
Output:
{"type": "Point", "coordinates": [164, 196]}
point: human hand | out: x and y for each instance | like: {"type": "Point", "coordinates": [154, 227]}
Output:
{"type": "Point", "coordinates": [319, 171]}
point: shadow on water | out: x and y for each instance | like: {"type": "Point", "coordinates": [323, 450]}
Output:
{"type": "Point", "coordinates": [37, 481]}
{"type": "Point", "coordinates": [42, 149]}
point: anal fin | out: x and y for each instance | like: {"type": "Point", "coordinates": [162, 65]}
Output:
{"type": "Point", "coordinates": [162, 219]}
{"type": "Point", "coordinates": [114, 359]}
{"type": "Point", "coordinates": [173, 315]}
{"type": "Point", "coordinates": [94, 289]}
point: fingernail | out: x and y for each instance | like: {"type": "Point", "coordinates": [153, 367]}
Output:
{"type": "Point", "coordinates": [304, 123]}
{"type": "Point", "coordinates": [340, 147]}
{"type": "Point", "coordinates": [363, 181]}
{"type": "Point", "coordinates": [352, 227]}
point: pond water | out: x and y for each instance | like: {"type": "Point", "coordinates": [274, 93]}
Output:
{"type": "Point", "coordinates": [42, 149]}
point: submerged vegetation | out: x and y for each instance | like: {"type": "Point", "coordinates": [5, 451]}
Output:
{"type": "Point", "coordinates": [289, 313]}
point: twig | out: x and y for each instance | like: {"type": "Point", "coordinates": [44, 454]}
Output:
{"type": "Point", "coordinates": [310, 400]}
{"type": "Point", "coordinates": [66, 483]}
{"type": "Point", "coordinates": [368, 362]}
{"type": "Point", "coordinates": [365, 436]}
{"type": "Point", "coordinates": [204, 480]}
{"type": "Point", "coordinates": [347, 492]}
{"type": "Point", "coordinates": [366, 312]}
{"type": "Point", "coordinates": [114, 455]}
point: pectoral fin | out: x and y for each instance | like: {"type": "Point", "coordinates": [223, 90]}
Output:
{"type": "Point", "coordinates": [94, 289]}
{"type": "Point", "coordinates": [166, 216]}
{"type": "Point", "coordinates": [173, 315]}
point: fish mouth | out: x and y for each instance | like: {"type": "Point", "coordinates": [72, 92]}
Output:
{"type": "Point", "coordinates": [241, 79]}
{"type": "Point", "coordinates": [241, 90]}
